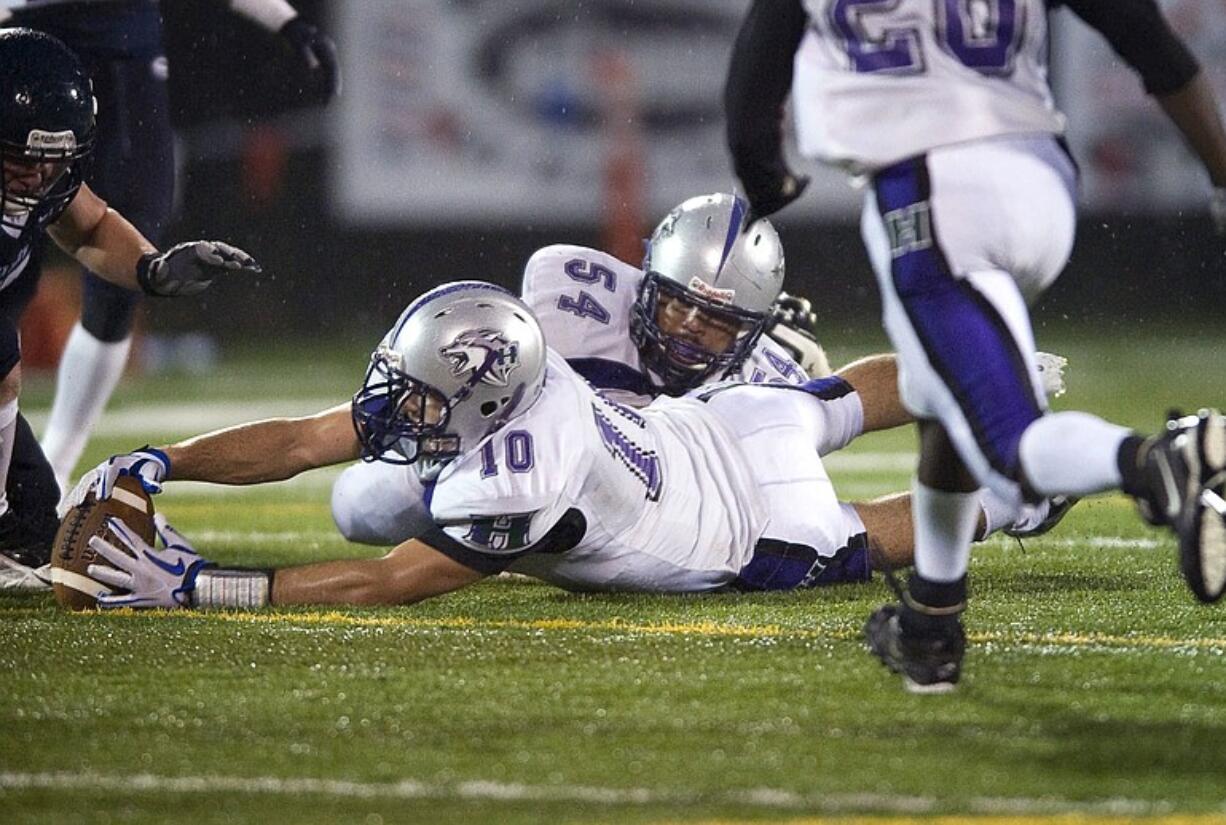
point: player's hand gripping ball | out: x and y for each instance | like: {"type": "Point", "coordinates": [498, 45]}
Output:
{"type": "Point", "coordinates": [71, 555]}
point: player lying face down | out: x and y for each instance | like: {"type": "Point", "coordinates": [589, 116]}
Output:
{"type": "Point", "coordinates": [521, 466]}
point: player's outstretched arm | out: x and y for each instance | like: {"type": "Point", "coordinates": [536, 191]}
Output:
{"type": "Point", "coordinates": [271, 450]}
{"type": "Point", "coordinates": [263, 451]}
{"type": "Point", "coordinates": [101, 239]}
{"type": "Point", "coordinates": [410, 573]}
{"type": "Point", "coordinates": [175, 575]}
{"type": "Point", "coordinates": [106, 243]}
{"type": "Point", "coordinates": [875, 380]}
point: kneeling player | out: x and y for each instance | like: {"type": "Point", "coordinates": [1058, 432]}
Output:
{"type": "Point", "coordinates": [518, 464]}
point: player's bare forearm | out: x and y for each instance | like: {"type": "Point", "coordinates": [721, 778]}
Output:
{"type": "Point", "coordinates": [410, 573]}
{"type": "Point", "coordinates": [101, 239]}
{"type": "Point", "coordinates": [1195, 111]}
{"type": "Point", "coordinates": [875, 380]}
{"type": "Point", "coordinates": [270, 450]}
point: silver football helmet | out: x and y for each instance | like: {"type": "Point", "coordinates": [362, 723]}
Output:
{"type": "Point", "coordinates": [461, 361]}
{"type": "Point", "coordinates": [705, 260]}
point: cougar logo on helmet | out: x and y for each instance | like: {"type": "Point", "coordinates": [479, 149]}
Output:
{"type": "Point", "coordinates": [485, 353]}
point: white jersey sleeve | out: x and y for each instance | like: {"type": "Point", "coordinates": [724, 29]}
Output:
{"type": "Point", "coordinates": [768, 363]}
{"type": "Point", "coordinates": [840, 413]}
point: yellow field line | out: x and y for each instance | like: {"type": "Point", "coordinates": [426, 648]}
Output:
{"type": "Point", "coordinates": [706, 628]}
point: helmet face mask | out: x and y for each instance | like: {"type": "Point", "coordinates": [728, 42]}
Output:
{"type": "Point", "coordinates": [685, 338]}
{"type": "Point", "coordinates": [47, 111]}
{"type": "Point", "coordinates": [399, 419]}
{"type": "Point", "coordinates": [462, 360]}
{"type": "Point", "coordinates": [708, 286]}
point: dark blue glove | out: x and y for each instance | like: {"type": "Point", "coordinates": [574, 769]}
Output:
{"type": "Point", "coordinates": [189, 267]}
{"type": "Point", "coordinates": [317, 52]}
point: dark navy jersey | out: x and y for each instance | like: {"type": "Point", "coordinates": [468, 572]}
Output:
{"type": "Point", "coordinates": [103, 28]}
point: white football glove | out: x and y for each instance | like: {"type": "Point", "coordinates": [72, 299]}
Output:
{"type": "Point", "coordinates": [152, 577]}
{"type": "Point", "coordinates": [148, 464]}
{"type": "Point", "coordinates": [1051, 373]}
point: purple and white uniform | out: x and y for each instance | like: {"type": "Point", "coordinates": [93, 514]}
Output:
{"type": "Point", "coordinates": [682, 496]}
{"type": "Point", "coordinates": [583, 299]}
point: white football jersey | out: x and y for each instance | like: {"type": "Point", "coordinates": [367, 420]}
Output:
{"type": "Point", "coordinates": [668, 499]}
{"type": "Point", "coordinates": [583, 299]}
{"type": "Point", "coordinates": [879, 82]}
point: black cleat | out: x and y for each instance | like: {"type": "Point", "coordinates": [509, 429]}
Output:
{"type": "Point", "coordinates": [24, 559]}
{"type": "Point", "coordinates": [1185, 471]}
{"type": "Point", "coordinates": [928, 663]}
{"type": "Point", "coordinates": [1057, 509]}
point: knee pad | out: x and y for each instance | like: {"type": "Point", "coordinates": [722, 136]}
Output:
{"type": "Point", "coordinates": [107, 310]}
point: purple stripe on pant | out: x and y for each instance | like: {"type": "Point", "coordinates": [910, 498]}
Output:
{"type": "Point", "coordinates": [966, 340]}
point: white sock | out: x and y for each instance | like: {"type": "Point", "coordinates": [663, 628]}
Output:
{"type": "Point", "coordinates": [944, 527]}
{"type": "Point", "coordinates": [1072, 454]}
{"type": "Point", "coordinates": [997, 512]}
{"type": "Point", "coordinates": [8, 432]}
{"type": "Point", "coordinates": [88, 373]}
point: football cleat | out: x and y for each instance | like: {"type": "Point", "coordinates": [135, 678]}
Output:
{"type": "Point", "coordinates": [22, 557]}
{"type": "Point", "coordinates": [1185, 471]}
{"type": "Point", "coordinates": [1041, 518]}
{"type": "Point", "coordinates": [928, 663]}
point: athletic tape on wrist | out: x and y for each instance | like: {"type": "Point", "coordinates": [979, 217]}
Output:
{"type": "Point", "coordinates": [221, 587]}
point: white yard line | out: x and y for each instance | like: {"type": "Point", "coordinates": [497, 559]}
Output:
{"type": "Point", "coordinates": [486, 790]}
{"type": "Point", "coordinates": [137, 420]}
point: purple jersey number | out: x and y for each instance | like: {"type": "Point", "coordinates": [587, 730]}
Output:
{"type": "Point", "coordinates": [519, 454]}
{"type": "Point", "coordinates": [585, 306]}
{"type": "Point", "coordinates": [982, 34]}
{"type": "Point", "coordinates": [894, 51]}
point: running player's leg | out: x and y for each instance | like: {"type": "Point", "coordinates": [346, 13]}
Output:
{"type": "Point", "coordinates": [941, 233]}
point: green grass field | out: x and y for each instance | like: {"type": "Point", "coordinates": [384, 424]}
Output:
{"type": "Point", "coordinates": [1095, 689]}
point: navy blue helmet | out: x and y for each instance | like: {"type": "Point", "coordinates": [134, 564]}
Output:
{"type": "Point", "coordinates": [47, 111]}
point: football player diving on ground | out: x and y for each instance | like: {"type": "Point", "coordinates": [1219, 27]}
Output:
{"type": "Point", "coordinates": [519, 464]}
{"type": "Point", "coordinates": [47, 136]}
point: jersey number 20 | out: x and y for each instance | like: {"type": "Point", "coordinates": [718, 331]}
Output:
{"type": "Point", "coordinates": [982, 34]}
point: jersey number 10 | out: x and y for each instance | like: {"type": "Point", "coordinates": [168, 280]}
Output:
{"type": "Point", "coordinates": [982, 34]}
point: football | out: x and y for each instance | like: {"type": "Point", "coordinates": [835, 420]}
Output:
{"type": "Point", "coordinates": [71, 555]}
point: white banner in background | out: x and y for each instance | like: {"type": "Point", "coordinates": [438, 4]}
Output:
{"type": "Point", "coordinates": [494, 111]}
{"type": "Point", "coordinates": [464, 111]}
{"type": "Point", "coordinates": [1132, 158]}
